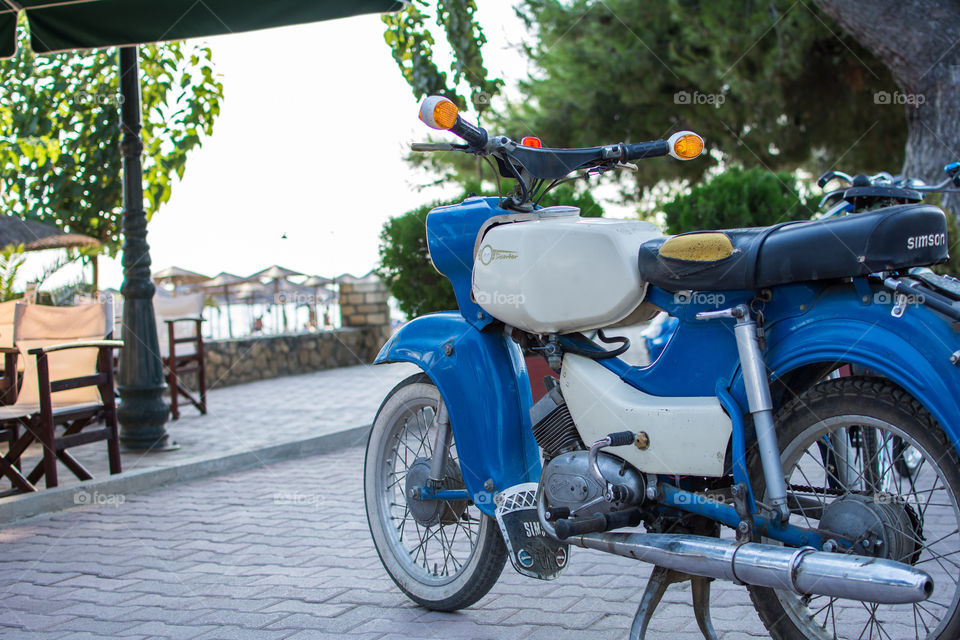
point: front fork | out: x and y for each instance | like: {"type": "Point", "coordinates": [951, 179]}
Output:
{"type": "Point", "coordinates": [757, 385]}
{"type": "Point", "coordinates": [438, 462]}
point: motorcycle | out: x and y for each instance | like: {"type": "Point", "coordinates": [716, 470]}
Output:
{"type": "Point", "coordinates": [738, 454]}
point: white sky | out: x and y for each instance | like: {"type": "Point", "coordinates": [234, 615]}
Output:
{"type": "Point", "coordinates": [310, 143]}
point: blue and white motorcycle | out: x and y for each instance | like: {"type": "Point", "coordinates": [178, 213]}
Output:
{"type": "Point", "coordinates": [738, 454]}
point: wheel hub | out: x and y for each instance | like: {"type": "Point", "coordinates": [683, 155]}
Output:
{"type": "Point", "coordinates": [880, 526]}
{"type": "Point", "coordinates": [431, 512]}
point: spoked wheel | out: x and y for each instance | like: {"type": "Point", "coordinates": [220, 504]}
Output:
{"type": "Point", "coordinates": [864, 459]}
{"type": "Point", "coordinates": [444, 555]}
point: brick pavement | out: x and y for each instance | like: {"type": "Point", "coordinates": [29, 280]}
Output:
{"type": "Point", "coordinates": [283, 551]}
{"type": "Point", "coordinates": [250, 416]}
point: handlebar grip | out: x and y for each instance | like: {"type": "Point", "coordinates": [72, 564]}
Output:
{"type": "Point", "coordinates": [640, 150]}
{"type": "Point", "coordinates": [475, 136]}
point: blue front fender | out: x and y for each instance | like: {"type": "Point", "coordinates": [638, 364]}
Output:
{"type": "Point", "coordinates": [913, 351]}
{"type": "Point", "coordinates": [484, 383]}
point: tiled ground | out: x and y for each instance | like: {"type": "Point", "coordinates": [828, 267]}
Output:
{"type": "Point", "coordinates": [283, 552]}
{"type": "Point", "coordinates": [251, 416]}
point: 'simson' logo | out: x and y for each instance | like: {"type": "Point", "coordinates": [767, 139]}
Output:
{"type": "Point", "coordinates": [929, 240]}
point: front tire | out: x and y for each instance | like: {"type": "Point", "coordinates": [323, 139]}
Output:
{"type": "Point", "coordinates": [866, 440]}
{"type": "Point", "coordinates": [444, 563]}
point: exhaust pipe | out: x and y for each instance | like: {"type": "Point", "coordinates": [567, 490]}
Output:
{"type": "Point", "coordinates": [804, 571]}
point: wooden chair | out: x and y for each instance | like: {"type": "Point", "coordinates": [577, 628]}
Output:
{"type": "Point", "coordinates": [67, 380]}
{"type": "Point", "coordinates": [179, 332]}
{"type": "Point", "coordinates": [12, 364]}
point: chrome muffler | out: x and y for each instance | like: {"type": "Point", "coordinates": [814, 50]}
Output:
{"type": "Point", "coordinates": [804, 571]}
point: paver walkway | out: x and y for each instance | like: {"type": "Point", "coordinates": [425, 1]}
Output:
{"type": "Point", "coordinates": [283, 551]}
{"type": "Point", "coordinates": [248, 417]}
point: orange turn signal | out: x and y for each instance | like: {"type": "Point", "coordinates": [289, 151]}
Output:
{"type": "Point", "coordinates": [438, 112]}
{"type": "Point", "coordinates": [530, 141]}
{"type": "Point", "coordinates": [685, 145]}
{"type": "Point", "coordinates": [445, 114]}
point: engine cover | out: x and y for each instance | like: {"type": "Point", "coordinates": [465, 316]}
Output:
{"type": "Point", "coordinates": [567, 482]}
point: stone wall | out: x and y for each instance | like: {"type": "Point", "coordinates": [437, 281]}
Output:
{"type": "Point", "coordinates": [240, 360]}
{"type": "Point", "coordinates": [363, 302]}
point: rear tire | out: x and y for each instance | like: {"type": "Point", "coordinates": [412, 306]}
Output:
{"type": "Point", "coordinates": [446, 565]}
{"type": "Point", "coordinates": [846, 436]}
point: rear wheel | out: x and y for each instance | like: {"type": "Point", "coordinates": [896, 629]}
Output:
{"type": "Point", "coordinates": [444, 555]}
{"type": "Point", "coordinates": [862, 455]}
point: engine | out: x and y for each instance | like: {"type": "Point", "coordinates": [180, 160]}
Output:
{"type": "Point", "coordinates": [571, 489]}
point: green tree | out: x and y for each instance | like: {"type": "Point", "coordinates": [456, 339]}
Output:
{"type": "Point", "coordinates": [738, 198]}
{"type": "Point", "coordinates": [412, 45]}
{"type": "Point", "coordinates": [917, 42]}
{"type": "Point", "coordinates": [61, 162]}
{"type": "Point", "coordinates": [405, 265]}
{"type": "Point", "coordinates": [769, 84]}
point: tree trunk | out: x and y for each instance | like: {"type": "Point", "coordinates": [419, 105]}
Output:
{"type": "Point", "coordinates": [919, 41]}
{"type": "Point", "coordinates": [95, 267]}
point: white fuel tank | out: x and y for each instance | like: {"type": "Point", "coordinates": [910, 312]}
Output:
{"type": "Point", "coordinates": [555, 272]}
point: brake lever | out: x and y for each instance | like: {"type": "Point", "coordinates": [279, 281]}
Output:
{"type": "Point", "coordinates": [628, 166]}
{"type": "Point", "coordinates": [436, 146]}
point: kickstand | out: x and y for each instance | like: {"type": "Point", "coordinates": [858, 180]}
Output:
{"type": "Point", "coordinates": [662, 578]}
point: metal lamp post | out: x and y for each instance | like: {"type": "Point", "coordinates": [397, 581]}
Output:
{"type": "Point", "coordinates": [140, 382]}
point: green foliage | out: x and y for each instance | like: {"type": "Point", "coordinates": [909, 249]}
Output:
{"type": "Point", "coordinates": [411, 43]}
{"type": "Point", "coordinates": [739, 198]}
{"type": "Point", "coordinates": [771, 84]}
{"type": "Point", "coordinates": [405, 265]}
{"type": "Point", "coordinates": [60, 160]}
{"type": "Point", "coordinates": [11, 259]}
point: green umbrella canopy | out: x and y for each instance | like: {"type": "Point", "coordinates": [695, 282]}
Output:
{"type": "Point", "coordinates": [57, 25]}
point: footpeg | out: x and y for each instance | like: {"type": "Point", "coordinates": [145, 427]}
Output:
{"type": "Point", "coordinates": [599, 523]}
{"type": "Point", "coordinates": [532, 551]}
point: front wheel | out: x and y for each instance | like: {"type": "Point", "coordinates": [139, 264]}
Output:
{"type": "Point", "coordinates": [864, 459]}
{"type": "Point", "coordinates": [445, 555]}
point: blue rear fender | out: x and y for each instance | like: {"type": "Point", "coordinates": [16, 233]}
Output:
{"type": "Point", "coordinates": [912, 351]}
{"type": "Point", "coordinates": [483, 381]}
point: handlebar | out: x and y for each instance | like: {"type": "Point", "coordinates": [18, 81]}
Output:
{"type": "Point", "coordinates": [544, 163]}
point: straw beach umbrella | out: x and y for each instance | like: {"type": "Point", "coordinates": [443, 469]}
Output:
{"type": "Point", "coordinates": [276, 274]}
{"type": "Point", "coordinates": [36, 236]}
{"type": "Point", "coordinates": [179, 277]}
{"type": "Point", "coordinates": [223, 282]}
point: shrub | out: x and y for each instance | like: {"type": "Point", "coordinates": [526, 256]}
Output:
{"type": "Point", "coordinates": [739, 198]}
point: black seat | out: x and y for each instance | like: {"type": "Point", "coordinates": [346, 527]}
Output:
{"type": "Point", "coordinates": [896, 237]}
